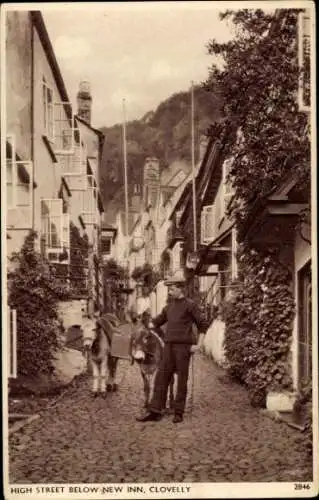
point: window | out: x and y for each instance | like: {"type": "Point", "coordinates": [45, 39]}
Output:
{"type": "Point", "coordinates": [75, 162]}
{"type": "Point", "coordinates": [207, 224]}
{"type": "Point", "coordinates": [106, 246]}
{"type": "Point", "coordinates": [19, 183]}
{"type": "Point", "coordinates": [48, 113]}
{"type": "Point", "coordinates": [89, 207]}
{"type": "Point", "coordinates": [63, 130]}
{"type": "Point", "coordinates": [11, 172]}
{"type": "Point", "coordinates": [52, 232]}
{"type": "Point", "coordinates": [304, 58]}
{"type": "Point", "coordinates": [228, 191]}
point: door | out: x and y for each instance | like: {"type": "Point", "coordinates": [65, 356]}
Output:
{"type": "Point", "coordinates": [304, 324]}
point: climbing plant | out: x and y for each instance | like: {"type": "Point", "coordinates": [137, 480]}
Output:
{"type": "Point", "coordinates": [268, 138]}
{"type": "Point", "coordinates": [79, 253]}
{"type": "Point", "coordinates": [258, 320]}
{"type": "Point", "coordinates": [34, 291]}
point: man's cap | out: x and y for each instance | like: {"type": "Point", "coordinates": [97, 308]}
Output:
{"type": "Point", "coordinates": [177, 278]}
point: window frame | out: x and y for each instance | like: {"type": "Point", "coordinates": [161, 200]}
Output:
{"type": "Point", "coordinates": [208, 210]}
{"type": "Point", "coordinates": [47, 233]}
{"type": "Point", "coordinates": [48, 110]}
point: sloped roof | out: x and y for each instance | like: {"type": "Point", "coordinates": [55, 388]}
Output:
{"type": "Point", "coordinates": [172, 171]}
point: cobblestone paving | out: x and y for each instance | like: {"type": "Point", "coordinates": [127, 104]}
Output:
{"type": "Point", "coordinates": [223, 439]}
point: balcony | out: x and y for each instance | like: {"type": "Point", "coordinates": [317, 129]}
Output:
{"type": "Point", "coordinates": [173, 235]}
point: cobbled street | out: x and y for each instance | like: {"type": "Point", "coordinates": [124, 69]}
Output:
{"type": "Point", "coordinates": [223, 439]}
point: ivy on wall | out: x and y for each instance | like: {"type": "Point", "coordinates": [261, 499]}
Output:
{"type": "Point", "coordinates": [258, 320]}
{"type": "Point", "coordinates": [79, 253]}
{"type": "Point", "coordinates": [268, 138]}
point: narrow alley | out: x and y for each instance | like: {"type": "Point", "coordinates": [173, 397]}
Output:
{"type": "Point", "coordinates": [222, 438]}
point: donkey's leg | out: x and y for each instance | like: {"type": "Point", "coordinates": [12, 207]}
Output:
{"type": "Point", "coordinates": [96, 376]}
{"type": "Point", "coordinates": [112, 365]}
{"type": "Point", "coordinates": [103, 369]}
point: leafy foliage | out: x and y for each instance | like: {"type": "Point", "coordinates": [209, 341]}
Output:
{"type": "Point", "coordinates": [258, 321]}
{"type": "Point", "coordinates": [146, 275]}
{"type": "Point", "coordinates": [259, 82]}
{"type": "Point", "coordinates": [34, 291]}
{"type": "Point", "coordinates": [165, 134]}
{"type": "Point", "coordinates": [268, 138]}
{"type": "Point", "coordinates": [79, 253]}
{"type": "Point", "coordinates": [303, 407]}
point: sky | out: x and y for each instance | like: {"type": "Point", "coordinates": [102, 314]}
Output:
{"type": "Point", "coordinates": [139, 52]}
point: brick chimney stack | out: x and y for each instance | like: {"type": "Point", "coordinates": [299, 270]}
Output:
{"type": "Point", "coordinates": [84, 101]}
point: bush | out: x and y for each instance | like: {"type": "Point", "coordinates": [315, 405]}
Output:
{"type": "Point", "coordinates": [34, 292]}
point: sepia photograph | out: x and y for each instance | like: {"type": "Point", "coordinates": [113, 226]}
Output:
{"type": "Point", "coordinates": [159, 250]}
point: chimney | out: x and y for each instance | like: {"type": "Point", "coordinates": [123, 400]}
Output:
{"type": "Point", "coordinates": [151, 181]}
{"type": "Point", "coordinates": [136, 198]}
{"type": "Point", "coordinates": [203, 143]}
{"type": "Point", "coordinates": [84, 101]}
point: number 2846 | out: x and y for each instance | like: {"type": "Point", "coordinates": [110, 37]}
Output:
{"type": "Point", "coordinates": [301, 486]}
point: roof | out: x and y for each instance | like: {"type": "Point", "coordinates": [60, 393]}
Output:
{"type": "Point", "coordinates": [98, 132]}
{"type": "Point", "coordinates": [38, 22]}
{"type": "Point", "coordinates": [170, 172]}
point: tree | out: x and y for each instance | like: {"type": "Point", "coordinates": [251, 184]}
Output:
{"type": "Point", "coordinates": [258, 83]}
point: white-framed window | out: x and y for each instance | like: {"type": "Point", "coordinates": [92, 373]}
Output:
{"type": "Point", "coordinates": [19, 184]}
{"type": "Point", "coordinates": [234, 248]}
{"type": "Point", "coordinates": [89, 205]}
{"type": "Point", "coordinates": [304, 61]}
{"type": "Point", "coordinates": [75, 162]}
{"type": "Point", "coordinates": [11, 172]}
{"type": "Point", "coordinates": [12, 343]}
{"type": "Point", "coordinates": [63, 130]}
{"type": "Point", "coordinates": [208, 215]}
{"type": "Point", "coordinates": [227, 188]}
{"type": "Point", "coordinates": [52, 232]}
{"type": "Point", "coordinates": [48, 110]}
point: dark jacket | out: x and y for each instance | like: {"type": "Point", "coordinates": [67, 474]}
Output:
{"type": "Point", "coordinates": [180, 316]}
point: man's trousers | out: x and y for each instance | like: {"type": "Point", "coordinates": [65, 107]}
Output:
{"type": "Point", "coordinates": [175, 359]}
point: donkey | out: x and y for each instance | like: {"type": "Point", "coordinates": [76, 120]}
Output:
{"type": "Point", "coordinates": [147, 351]}
{"type": "Point", "coordinates": [101, 359]}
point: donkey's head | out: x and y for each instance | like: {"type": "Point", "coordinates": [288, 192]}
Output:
{"type": "Point", "coordinates": [146, 345]}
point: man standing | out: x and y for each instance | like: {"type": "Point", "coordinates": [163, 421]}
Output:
{"type": "Point", "coordinates": [180, 314]}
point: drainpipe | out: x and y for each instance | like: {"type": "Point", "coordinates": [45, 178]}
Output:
{"type": "Point", "coordinates": [32, 121]}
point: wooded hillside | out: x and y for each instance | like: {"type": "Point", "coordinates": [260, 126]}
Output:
{"type": "Point", "coordinates": [164, 133]}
